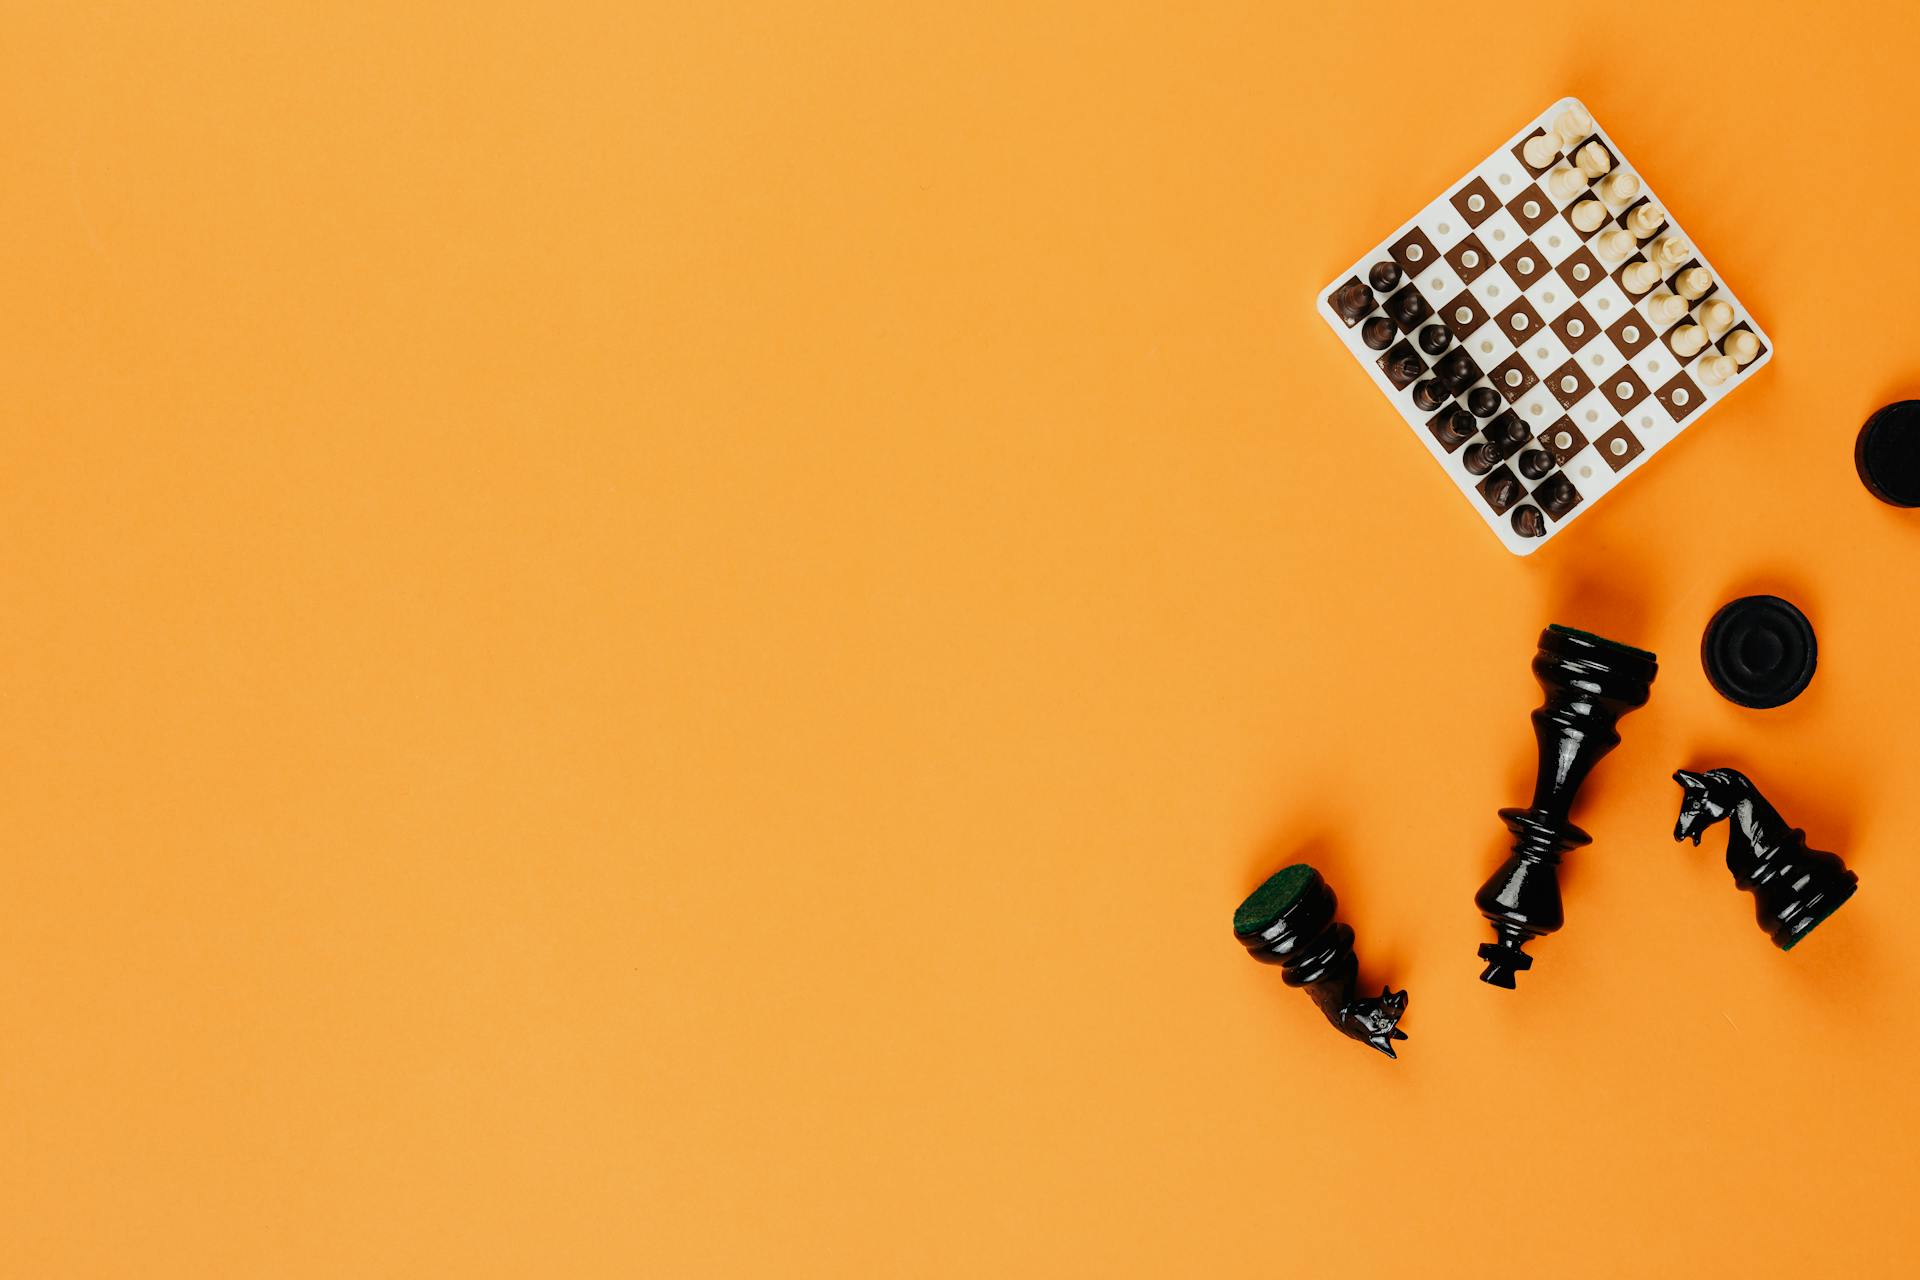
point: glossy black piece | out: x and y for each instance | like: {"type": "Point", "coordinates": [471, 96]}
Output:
{"type": "Point", "coordinates": [1590, 683]}
{"type": "Point", "coordinates": [1535, 463]}
{"type": "Point", "coordinates": [1434, 339]}
{"type": "Point", "coordinates": [1377, 332]}
{"type": "Point", "coordinates": [1408, 308]}
{"type": "Point", "coordinates": [1483, 402]}
{"type": "Point", "coordinates": [1759, 651]}
{"type": "Point", "coordinates": [1794, 888]}
{"type": "Point", "coordinates": [1428, 395]}
{"type": "Point", "coordinates": [1886, 453]}
{"type": "Point", "coordinates": [1456, 370]}
{"type": "Point", "coordinates": [1527, 521]}
{"type": "Point", "coordinates": [1385, 276]}
{"type": "Point", "coordinates": [1289, 921]}
{"type": "Point", "coordinates": [1352, 300]}
{"type": "Point", "coordinates": [1455, 427]}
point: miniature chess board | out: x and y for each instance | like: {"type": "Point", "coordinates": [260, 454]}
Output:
{"type": "Point", "coordinates": [1545, 327]}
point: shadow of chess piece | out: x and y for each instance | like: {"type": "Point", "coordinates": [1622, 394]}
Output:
{"type": "Point", "coordinates": [1794, 888]}
{"type": "Point", "coordinates": [1590, 683]}
{"type": "Point", "coordinates": [1289, 921]}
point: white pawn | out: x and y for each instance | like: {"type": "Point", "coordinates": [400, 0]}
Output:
{"type": "Point", "coordinates": [1541, 150]}
{"type": "Point", "coordinates": [1742, 346]}
{"type": "Point", "coordinates": [1566, 183]}
{"type": "Point", "coordinates": [1572, 125]}
{"type": "Point", "coordinates": [1715, 370]}
{"type": "Point", "coordinates": [1639, 277]}
{"type": "Point", "coordinates": [1665, 308]}
{"type": "Point", "coordinates": [1593, 160]}
{"type": "Point", "coordinates": [1645, 220]}
{"type": "Point", "coordinates": [1693, 282]}
{"type": "Point", "coordinates": [1614, 245]}
{"type": "Point", "coordinates": [1687, 340]}
{"type": "Point", "coordinates": [1716, 315]}
{"type": "Point", "coordinates": [1619, 187]}
{"type": "Point", "coordinates": [1588, 215]}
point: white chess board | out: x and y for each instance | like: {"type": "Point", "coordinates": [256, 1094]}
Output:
{"type": "Point", "coordinates": [1589, 383]}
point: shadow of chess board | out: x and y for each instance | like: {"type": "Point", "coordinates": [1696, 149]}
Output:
{"type": "Point", "coordinates": [1545, 329]}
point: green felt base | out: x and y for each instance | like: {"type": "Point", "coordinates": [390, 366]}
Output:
{"type": "Point", "coordinates": [1265, 904]}
{"type": "Point", "coordinates": [1818, 920]}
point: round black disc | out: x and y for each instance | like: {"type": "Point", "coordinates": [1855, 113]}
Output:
{"type": "Point", "coordinates": [1887, 454]}
{"type": "Point", "coordinates": [1759, 651]}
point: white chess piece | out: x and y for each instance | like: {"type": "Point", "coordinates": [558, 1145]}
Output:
{"type": "Point", "coordinates": [1619, 187]}
{"type": "Point", "coordinates": [1664, 308]}
{"type": "Point", "coordinates": [1566, 183]}
{"type": "Point", "coordinates": [1687, 340]}
{"type": "Point", "coordinates": [1715, 370]}
{"type": "Point", "coordinates": [1645, 220]}
{"type": "Point", "coordinates": [1716, 315]}
{"type": "Point", "coordinates": [1669, 252]}
{"type": "Point", "coordinates": [1541, 150]}
{"type": "Point", "coordinates": [1693, 282]}
{"type": "Point", "coordinates": [1639, 277]}
{"type": "Point", "coordinates": [1614, 245]}
{"type": "Point", "coordinates": [1588, 215]}
{"type": "Point", "coordinates": [1742, 346]}
{"type": "Point", "coordinates": [1593, 160]}
{"type": "Point", "coordinates": [1572, 125]}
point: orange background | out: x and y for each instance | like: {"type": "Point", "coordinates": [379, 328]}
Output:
{"type": "Point", "coordinates": [642, 642]}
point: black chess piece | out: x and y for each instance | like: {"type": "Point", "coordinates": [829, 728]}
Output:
{"type": "Point", "coordinates": [1590, 683]}
{"type": "Point", "coordinates": [1794, 888]}
{"type": "Point", "coordinates": [1289, 921]}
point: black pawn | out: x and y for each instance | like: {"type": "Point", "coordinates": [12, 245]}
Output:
{"type": "Point", "coordinates": [1385, 276]}
{"type": "Point", "coordinates": [1483, 401]}
{"type": "Point", "coordinates": [1289, 921]}
{"type": "Point", "coordinates": [1429, 395]}
{"type": "Point", "coordinates": [1377, 332]}
{"type": "Point", "coordinates": [1434, 339]}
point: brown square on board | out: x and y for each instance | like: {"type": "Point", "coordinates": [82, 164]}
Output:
{"type": "Point", "coordinates": [1525, 264]}
{"type": "Point", "coordinates": [1563, 440]}
{"type": "Point", "coordinates": [1623, 389]}
{"type": "Point", "coordinates": [1581, 271]}
{"type": "Point", "coordinates": [1506, 383]}
{"type": "Point", "coordinates": [1531, 208]}
{"type": "Point", "coordinates": [1469, 259]}
{"type": "Point", "coordinates": [1575, 327]}
{"type": "Point", "coordinates": [1569, 384]}
{"type": "Point", "coordinates": [1413, 251]}
{"type": "Point", "coordinates": [1630, 333]}
{"type": "Point", "coordinates": [1462, 314]}
{"type": "Point", "coordinates": [1475, 202]}
{"type": "Point", "coordinates": [1618, 447]}
{"type": "Point", "coordinates": [1520, 321]}
{"type": "Point", "coordinates": [1680, 397]}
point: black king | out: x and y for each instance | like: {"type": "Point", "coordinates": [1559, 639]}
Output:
{"type": "Point", "coordinates": [1590, 683]}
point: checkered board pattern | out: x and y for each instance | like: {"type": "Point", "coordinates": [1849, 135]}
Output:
{"type": "Point", "coordinates": [1598, 390]}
